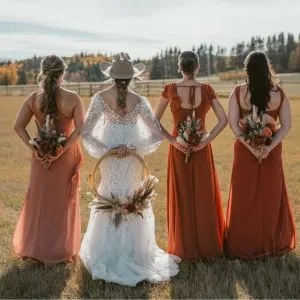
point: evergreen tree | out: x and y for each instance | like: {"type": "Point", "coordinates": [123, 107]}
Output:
{"type": "Point", "coordinates": [22, 78]}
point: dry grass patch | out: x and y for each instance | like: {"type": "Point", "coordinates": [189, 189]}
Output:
{"type": "Point", "coordinates": [268, 278]}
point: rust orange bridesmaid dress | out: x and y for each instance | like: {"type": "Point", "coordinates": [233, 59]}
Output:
{"type": "Point", "coordinates": [48, 229]}
{"type": "Point", "coordinates": [195, 217]}
{"type": "Point", "coordinates": [259, 218]}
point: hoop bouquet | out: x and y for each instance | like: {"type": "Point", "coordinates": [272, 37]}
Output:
{"type": "Point", "coordinates": [48, 140]}
{"type": "Point", "coordinates": [133, 204]}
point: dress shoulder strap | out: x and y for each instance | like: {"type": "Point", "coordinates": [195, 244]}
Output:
{"type": "Point", "coordinates": [192, 96]}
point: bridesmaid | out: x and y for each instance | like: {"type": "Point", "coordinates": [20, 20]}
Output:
{"type": "Point", "coordinates": [259, 218]}
{"type": "Point", "coordinates": [48, 229]}
{"type": "Point", "coordinates": [195, 217]}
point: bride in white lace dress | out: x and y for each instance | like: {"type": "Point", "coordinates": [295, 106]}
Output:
{"type": "Point", "coordinates": [120, 119]}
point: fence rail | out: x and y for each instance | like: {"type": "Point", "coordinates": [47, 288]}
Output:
{"type": "Point", "coordinates": [146, 88]}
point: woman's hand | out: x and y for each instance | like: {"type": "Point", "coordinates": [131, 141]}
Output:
{"type": "Point", "coordinates": [181, 147]}
{"type": "Point", "coordinates": [257, 153]}
{"type": "Point", "coordinates": [38, 156]}
{"type": "Point", "coordinates": [49, 159]}
{"type": "Point", "coordinates": [121, 151]}
{"type": "Point", "coordinates": [265, 151]}
{"type": "Point", "coordinates": [200, 146]}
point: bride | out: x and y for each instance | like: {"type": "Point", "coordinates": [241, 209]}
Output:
{"type": "Point", "coordinates": [122, 120]}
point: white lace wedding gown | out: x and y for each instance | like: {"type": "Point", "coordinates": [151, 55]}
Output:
{"type": "Point", "coordinates": [128, 254]}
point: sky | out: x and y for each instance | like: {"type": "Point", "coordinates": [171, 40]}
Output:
{"type": "Point", "coordinates": [140, 27]}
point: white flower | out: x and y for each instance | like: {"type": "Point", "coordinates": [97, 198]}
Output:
{"type": "Point", "coordinates": [61, 139]}
{"type": "Point", "coordinates": [155, 179]}
{"type": "Point", "coordinates": [180, 140]}
{"type": "Point", "coordinates": [185, 135]}
{"type": "Point", "coordinates": [204, 137]}
{"type": "Point", "coordinates": [34, 143]}
{"type": "Point", "coordinates": [48, 123]}
{"type": "Point", "coordinates": [194, 114]}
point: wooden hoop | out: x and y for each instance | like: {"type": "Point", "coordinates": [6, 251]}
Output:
{"type": "Point", "coordinates": [145, 172]}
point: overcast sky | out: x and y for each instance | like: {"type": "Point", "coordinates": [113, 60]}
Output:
{"type": "Point", "coordinates": [140, 27]}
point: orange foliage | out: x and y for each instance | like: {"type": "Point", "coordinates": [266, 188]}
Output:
{"type": "Point", "coordinates": [232, 75]}
{"type": "Point", "coordinates": [8, 74]}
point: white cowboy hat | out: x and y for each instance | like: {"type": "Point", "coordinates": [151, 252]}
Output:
{"type": "Point", "coordinates": [122, 67]}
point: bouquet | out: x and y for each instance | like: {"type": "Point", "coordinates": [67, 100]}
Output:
{"type": "Point", "coordinates": [48, 140]}
{"type": "Point", "coordinates": [255, 131]}
{"type": "Point", "coordinates": [135, 204]}
{"type": "Point", "coordinates": [189, 133]}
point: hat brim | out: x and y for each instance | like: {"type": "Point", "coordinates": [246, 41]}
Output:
{"type": "Point", "coordinates": [105, 67]}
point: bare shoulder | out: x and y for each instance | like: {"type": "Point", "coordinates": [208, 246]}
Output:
{"type": "Point", "coordinates": [70, 96]}
{"type": "Point", "coordinates": [182, 83]}
{"type": "Point", "coordinates": [243, 87]}
{"type": "Point", "coordinates": [32, 96]}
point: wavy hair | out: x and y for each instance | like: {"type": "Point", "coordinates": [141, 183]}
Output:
{"type": "Point", "coordinates": [259, 78]}
{"type": "Point", "coordinates": [52, 67]}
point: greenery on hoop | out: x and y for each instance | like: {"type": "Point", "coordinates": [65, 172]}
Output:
{"type": "Point", "coordinates": [136, 203]}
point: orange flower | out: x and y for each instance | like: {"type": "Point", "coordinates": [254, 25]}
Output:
{"type": "Point", "coordinates": [267, 132]}
{"type": "Point", "coordinates": [59, 150]}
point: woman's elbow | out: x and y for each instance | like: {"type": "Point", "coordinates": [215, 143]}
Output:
{"type": "Point", "coordinates": [17, 128]}
{"type": "Point", "coordinates": [287, 127]}
{"type": "Point", "coordinates": [223, 121]}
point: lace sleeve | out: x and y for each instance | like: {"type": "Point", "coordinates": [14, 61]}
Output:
{"type": "Point", "coordinates": [94, 116]}
{"type": "Point", "coordinates": [149, 127]}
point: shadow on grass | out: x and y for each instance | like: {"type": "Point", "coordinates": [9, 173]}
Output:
{"type": "Point", "coordinates": [205, 280]}
{"type": "Point", "coordinates": [28, 279]}
{"type": "Point", "coordinates": [269, 278]}
{"type": "Point", "coordinates": [272, 278]}
{"type": "Point", "coordinates": [96, 289]}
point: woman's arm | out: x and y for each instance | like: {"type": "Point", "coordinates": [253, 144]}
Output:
{"type": "Point", "coordinates": [159, 111]}
{"type": "Point", "coordinates": [23, 118]}
{"type": "Point", "coordinates": [78, 118]}
{"type": "Point", "coordinates": [285, 121]}
{"type": "Point", "coordinates": [222, 122]}
{"type": "Point", "coordinates": [234, 120]}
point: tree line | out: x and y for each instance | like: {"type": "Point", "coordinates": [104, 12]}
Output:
{"type": "Point", "coordinates": [282, 49]}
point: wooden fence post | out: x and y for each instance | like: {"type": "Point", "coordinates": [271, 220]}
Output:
{"type": "Point", "coordinates": [91, 90]}
{"type": "Point", "coordinates": [148, 90]}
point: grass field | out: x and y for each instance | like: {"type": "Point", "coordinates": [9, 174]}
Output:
{"type": "Point", "coordinates": [267, 278]}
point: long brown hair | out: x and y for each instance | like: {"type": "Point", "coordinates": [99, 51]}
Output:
{"type": "Point", "coordinates": [52, 67]}
{"type": "Point", "coordinates": [259, 79]}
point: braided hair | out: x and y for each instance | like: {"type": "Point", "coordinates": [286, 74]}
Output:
{"type": "Point", "coordinates": [122, 88]}
{"type": "Point", "coordinates": [52, 67]}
